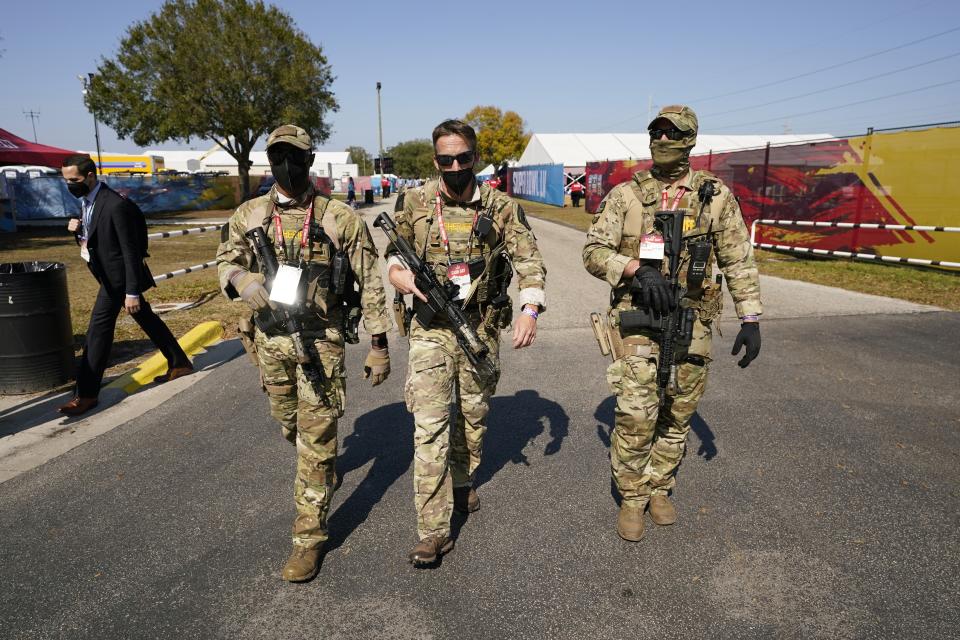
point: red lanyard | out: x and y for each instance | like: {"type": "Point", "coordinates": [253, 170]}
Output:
{"type": "Point", "coordinates": [443, 228]}
{"type": "Point", "coordinates": [676, 199]}
{"type": "Point", "coordinates": [305, 234]}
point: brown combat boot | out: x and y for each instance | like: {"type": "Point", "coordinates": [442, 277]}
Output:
{"type": "Point", "coordinates": [661, 510]}
{"type": "Point", "coordinates": [302, 564]}
{"type": "Point", "coordinates": [465, 500]}
{"type": "Point", "coordinates": [630, 522]}
{"type": "Point", "coordinates": [429, 550]}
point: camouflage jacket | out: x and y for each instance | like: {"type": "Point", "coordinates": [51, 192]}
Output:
{"type": "Point", "coordinates": [417, 224]}
{"type": "Point", "coordinates": [626, 214]}
{"type": "Point", "coordinates": [353, 236]}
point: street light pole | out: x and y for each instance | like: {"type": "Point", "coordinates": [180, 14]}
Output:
{"type": "Point", "coordinates": [87, 81]}
{"type": "Point", "coordinates": [380, 127]}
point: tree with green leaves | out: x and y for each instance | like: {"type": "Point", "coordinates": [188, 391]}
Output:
{"type": "Point", "coordinates": [500, 136]}
{"type": "Point", "coordinates": [360, 157]}
{"type": "Point", "coordinates": [413, 158]}
{"type": "Point", "coordinates": [229, 71]}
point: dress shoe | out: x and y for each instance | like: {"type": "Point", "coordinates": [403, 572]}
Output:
{"type": "Point", "coordinates": [429, 550]}
{"type": "Point", "coordinates": [661, 510]}
{"type": "Point", "coordinates": [630, 522]}
{"type": "Point", "coordinates": [173, 374]}
{"type": "Point", "coordinates": [78, 406]}
{"type": "Point", "coordinates": [302, 565]}
{"type": "Point", "coordinates": [465, 500]}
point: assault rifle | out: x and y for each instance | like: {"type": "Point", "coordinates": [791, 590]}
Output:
{"type": "Point", "coordinates": [675, 327]}
{"type": "Point", "coordinates": [441, 299]}
{"type": "Point", "coordinates": [282, 318]}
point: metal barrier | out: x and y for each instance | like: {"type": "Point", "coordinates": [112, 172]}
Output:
{"type": "Point", "coordinates": [851, 254]}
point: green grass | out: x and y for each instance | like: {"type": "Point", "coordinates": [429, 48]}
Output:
{"type": "Point", "coordinates": [916, 284]}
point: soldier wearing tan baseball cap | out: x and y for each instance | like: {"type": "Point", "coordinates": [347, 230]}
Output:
{"type": "Point", "coordinates": [291, 134]}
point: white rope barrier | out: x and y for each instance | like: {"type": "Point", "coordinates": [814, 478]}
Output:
{"type": "Point", "coordinates": [859, 225]}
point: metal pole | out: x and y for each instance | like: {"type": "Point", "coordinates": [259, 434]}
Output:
{"type": "Point", "coordinates": [380, 127]}
{"type": "Point", "coordinates": [96, 130]}
{"type": "Point", "coordinates": [763, 189]}
{"type": "Point", "coordinates": [34, 116]}
{"type": "Point", "coordinates": [862, 189]}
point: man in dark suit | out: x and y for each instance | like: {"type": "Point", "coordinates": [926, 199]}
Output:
{"type": "Point", "coordinates": [112, 235]}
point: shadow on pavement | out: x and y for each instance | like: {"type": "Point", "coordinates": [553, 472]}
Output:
{"type": "Point", "coordinates": [515, 421]}
{"type": "Point", "coordinates": [384, 436]}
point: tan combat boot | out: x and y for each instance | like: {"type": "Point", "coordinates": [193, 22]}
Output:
{"type": "Point", "coordinates": [429, 550]}
{"type": "Point", "coordinates": [661, 510]}
{"type": "Point", "coordinates": [302, 564]}
{"type": "Point", "coordinates": [630, 522]}
{"type": "Point", "coordinates": [465, 500]}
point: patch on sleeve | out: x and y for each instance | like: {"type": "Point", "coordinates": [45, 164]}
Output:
{"type": "Point", "coordinates": [522, 217]}
{"type": "Point", "coordinates": [603, 205]}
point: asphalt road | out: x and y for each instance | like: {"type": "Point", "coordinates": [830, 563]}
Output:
{"type": "Point", "coordinates": [819, 499]}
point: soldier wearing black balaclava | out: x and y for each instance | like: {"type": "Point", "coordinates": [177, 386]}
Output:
{"type": "Point", "coordinates": [626, 250]}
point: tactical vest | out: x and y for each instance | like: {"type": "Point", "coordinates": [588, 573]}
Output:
{"type": "Point", "coordinates": [643, 198]}
{"type": "Point", "coordinates": [464, 244]}
{"type": "Point", "coordinates": [318, 255]}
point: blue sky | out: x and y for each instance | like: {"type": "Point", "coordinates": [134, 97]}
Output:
{"type": "Point", "coordinates": [563, 66]}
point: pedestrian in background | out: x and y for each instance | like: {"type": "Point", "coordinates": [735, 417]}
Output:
{"type": "Point", "coordinates": [112, 235]}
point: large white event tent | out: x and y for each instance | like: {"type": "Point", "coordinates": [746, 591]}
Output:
{"type": "Point", "coordinates": [328, 164]}
{"type": "Point", "coordinates": [575, 150]}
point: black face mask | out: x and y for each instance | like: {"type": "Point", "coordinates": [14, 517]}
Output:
{"type": "Point", "coordinates": [293, 177]}
{"type": "Point", "coordinates": [78, 189]}
{"type": "Point", "coordinates": [291, 167]}
{"type": "Point", "coordinates": [458, 181]}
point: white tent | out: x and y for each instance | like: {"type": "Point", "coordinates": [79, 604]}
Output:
{"type": "Point", "coordinates": [575, 150]}
{"type": "Point", "coordinates": [223, 161]}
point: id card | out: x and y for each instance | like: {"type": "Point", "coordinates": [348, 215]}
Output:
{"type": "Point", "coordinates": [459, 274]}
{"type": "Point", "coordinates": [84, 252]}
{"type": "Point", "coordinates": [651, 246]}
{"type": "Point", "coordinates": [286, 285]}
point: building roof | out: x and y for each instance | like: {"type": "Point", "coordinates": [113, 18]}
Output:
{"type": "Point", "coordinates": [577, 149]}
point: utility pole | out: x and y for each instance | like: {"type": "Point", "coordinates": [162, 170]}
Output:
{"type": "Point", "coordinates": [34, 116]}
{"type": "Point", "coordinates": [86, 82]}
{"type": "Point", "coordinates": [380, 127]}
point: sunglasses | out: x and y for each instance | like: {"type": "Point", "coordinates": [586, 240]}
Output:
{"type": "Point", "coordinates": [447, 161]}
{"type": "Point", "coordinates": [672, 134]}
{"type": "Point", "coordinates": [280, 152]}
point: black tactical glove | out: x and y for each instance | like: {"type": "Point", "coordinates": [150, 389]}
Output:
{"type": "Point", "coordinates": [750, 336]}
{"type": "Point", "coordinates": [653, 289]}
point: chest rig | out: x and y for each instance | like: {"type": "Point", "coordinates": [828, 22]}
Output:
{"type": "Point", "coordinates": [447, 233]}
{"type": "Point", "coordinates": [313, 246]}
{"type": "Point", "coordinates": [701, 210]}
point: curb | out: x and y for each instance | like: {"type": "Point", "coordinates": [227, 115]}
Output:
{"type": "Point", "coordinates": [192, 342]}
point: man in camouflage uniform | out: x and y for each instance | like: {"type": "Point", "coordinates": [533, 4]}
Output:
{"type": "Point", "coordinates": [306, 404]}
{"type": "Point", "coordinates": [624, 249]}
{"type": "Point", "coordinates": [470, 234]}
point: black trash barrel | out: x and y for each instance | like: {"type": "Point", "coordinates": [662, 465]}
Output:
{"type": "Point", "coordinates": [368, 196]}
{"type": "Point", "coordinates": [36, 336]}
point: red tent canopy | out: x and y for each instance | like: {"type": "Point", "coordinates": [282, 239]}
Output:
{"type": "Point", "coordinates": [16, 150]}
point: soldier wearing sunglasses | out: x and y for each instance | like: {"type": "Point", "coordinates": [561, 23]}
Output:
{"type": "Point", "coordinates": [471, 235]}
{"type": "Point", "coordinates": [624, 249]}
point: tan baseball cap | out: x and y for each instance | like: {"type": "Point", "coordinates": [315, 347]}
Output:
{"type": "Point", "coordinates": [291, 134]}
{"type": "Point", "coordinates": [681, 116]}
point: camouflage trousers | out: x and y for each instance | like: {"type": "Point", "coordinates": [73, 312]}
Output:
{"type": "Point", "coordinates": [447, 443]}
{"type": "Point", "coordinates": [309, 420]}
{"type": "Point", "coordinates": [647, 443]}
